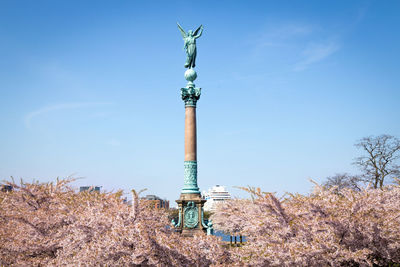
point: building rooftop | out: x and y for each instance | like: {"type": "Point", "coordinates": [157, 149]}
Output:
{"type": "Point", "coordinates": [90, 188]}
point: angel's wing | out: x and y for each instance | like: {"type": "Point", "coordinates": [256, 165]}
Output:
{"type": "Point", "coordinates": [197, 30]}
{"type": "Point", "coordinates": [181, 30]}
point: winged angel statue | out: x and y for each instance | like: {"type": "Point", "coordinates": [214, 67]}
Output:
{"type": "Point", "coordinates": [190, 45]}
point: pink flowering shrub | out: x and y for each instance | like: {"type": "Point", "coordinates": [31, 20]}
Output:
{"type": "Point", "coordinates": [51, 224]}
{"type": "Point", "coordinates": [345, 228]}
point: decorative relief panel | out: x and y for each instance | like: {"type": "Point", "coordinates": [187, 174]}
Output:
{"type": "Point", "coordinates": [191, 215]}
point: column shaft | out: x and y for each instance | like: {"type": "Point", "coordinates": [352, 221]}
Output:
{"type": "Point", "coordinates": [190, 134]}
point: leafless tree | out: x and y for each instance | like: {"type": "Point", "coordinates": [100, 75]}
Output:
{"type": "Point", "coordinates": [380, 159]}
{"type": "Point", "coordinates": [343, 180]}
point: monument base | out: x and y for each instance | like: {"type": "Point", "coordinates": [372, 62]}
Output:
{"type": "Point", "coordinates": [192, 232]}
{"type": "Point", "coordinates": [191, 214]}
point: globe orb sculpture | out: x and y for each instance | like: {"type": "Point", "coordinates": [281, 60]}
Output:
{"type": "Point", "coordinates": [190, 75]}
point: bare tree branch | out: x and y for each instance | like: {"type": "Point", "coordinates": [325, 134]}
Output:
{"type": "Point", "coordinates": [379, 163]}
{"type": "Point", "coordinates": [343, 180]}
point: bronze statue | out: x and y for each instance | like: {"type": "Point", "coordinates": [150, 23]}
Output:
{"type": "Point", "coordinates": [190, 45]}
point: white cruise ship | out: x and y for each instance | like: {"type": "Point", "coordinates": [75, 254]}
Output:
{"type": "Point", "coordinates": [215, 195]}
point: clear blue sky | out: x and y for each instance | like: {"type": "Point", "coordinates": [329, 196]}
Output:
{"type": "Point", "coordinates": [92, 89]}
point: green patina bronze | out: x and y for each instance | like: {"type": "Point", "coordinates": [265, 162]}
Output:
{"type": "Point", "coordinates": [190, 178]}
{"type": "Point", "coordinates": [210, 229]}
{"type": "Point", "coordinates": [202, 219]}
{"type": "Point", "coordinates": [174, 224]}
{"type": "Point", "coordinates": [190, 95]}
{"type": "Point", "coordinates": [191, 215]}
{"type": "Point", "coordinates": [190, 45]}
{"type": "Point", "coordinates": [208, 226]}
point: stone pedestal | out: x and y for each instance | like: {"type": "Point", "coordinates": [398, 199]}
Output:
{"type": "Point", "coordinates": [191, 214]}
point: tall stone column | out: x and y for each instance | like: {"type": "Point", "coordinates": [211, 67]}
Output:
{"type": "Point", "coordinates": [190, 203]}
{"type": "Point", "coordinates": [190, 95]}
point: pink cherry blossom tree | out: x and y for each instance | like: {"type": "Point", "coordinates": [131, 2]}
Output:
{"type": "Point", "coordinates": [326, 228]}
{"type": "Point", "coordinates": [51, 224]}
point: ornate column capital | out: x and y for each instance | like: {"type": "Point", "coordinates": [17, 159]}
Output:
{"type": "Point", "coordinates": [190, 95]}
